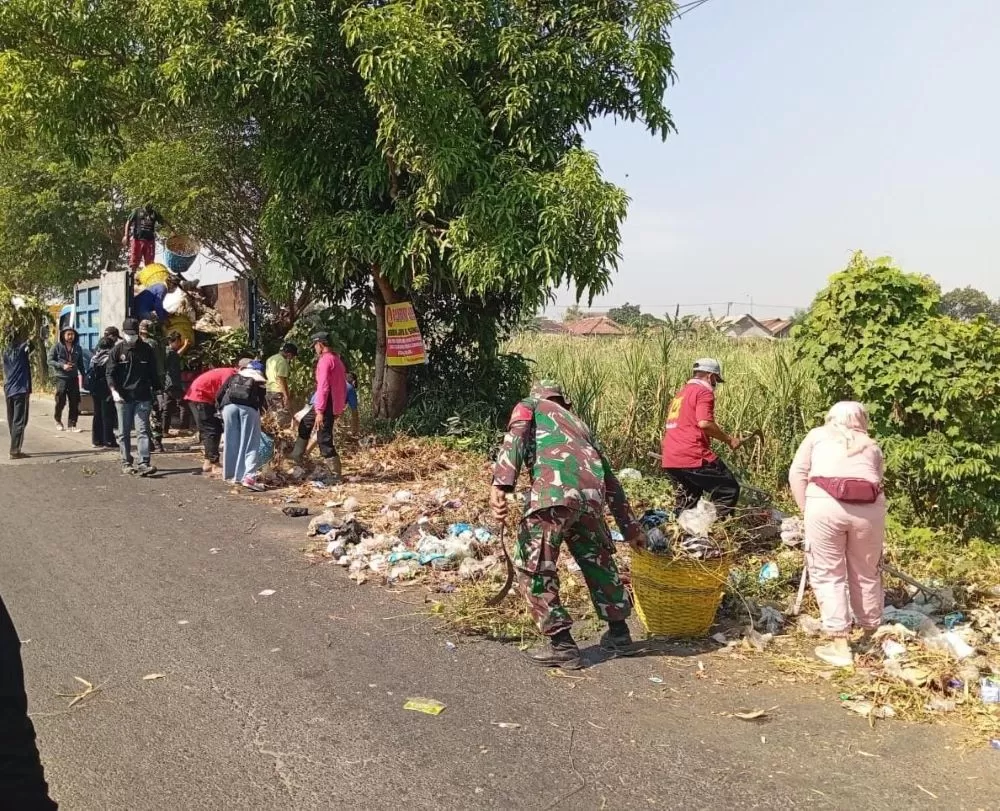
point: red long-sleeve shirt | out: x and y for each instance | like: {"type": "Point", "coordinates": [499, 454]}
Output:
{"type": "Point", "coordinates": [331, 383]}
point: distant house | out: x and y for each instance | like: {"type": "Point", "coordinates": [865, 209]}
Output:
{"type": "Point", "coordinates": [778, 327]}
{"type": "Point", "coordinates": [594, 326]}
{"type": "Point", "coordinates": [546, 326]}
{"type": "Point", "coordinates": [742, 326]}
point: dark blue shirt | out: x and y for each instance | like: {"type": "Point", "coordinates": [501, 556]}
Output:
{"type": "Point", "coordinates": [16, 370]}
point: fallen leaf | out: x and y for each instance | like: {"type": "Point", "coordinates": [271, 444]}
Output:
{"type": "Point", "coordinates": [750, 716]}
{"type": "Point", "coordinates": [154, 676]}
{"type": "Point", "coordinates": [429, 706]}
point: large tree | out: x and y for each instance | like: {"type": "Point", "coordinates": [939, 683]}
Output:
{"type": "Point", "coordinates": [413, 148]}
{"type": "Point", "coordinates": [967, 303]}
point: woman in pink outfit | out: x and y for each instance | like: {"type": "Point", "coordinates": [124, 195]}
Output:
{"type": "Point", "coordinates": [836, 479]}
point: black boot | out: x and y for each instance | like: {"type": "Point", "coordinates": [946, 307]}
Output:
{"type": "Point", "coordinates": [618, 640]}
{"type": "Point", "coordinates": [561, 651]}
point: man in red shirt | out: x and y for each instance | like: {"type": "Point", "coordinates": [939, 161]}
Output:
{"type": "Point", "coordinates": [329, 403]}
{"type": "Point", "coordinates": [687, 453]}
{"type": "Point", "coordinates": [201, 395]}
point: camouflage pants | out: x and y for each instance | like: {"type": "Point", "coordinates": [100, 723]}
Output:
{"type": "Point", "coordinates": [156, 421]}
{"type": "Point", "coordinates": [590, 544]}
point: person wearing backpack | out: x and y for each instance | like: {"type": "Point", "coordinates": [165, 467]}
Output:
{"type": "Point", "coordinates": [105, 423]}
{"type": "Point", "coordinates": [240, 401]}
{"type": "Point", "coordinates": [132, 377]}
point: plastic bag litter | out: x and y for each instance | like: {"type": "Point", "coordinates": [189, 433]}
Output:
{"type": "Point", "coordinates": [893, 649]}
{"type": "Point", "coordinates": [656, 541]}
{"type": "Point", "coordinates": [948, 642]}
{"type": "Point", "coordinates": [336, 549]}
{"type": "Point", "coordinates": [406, 570]}
{"type": "Point", "coordinates": [893, 631]}
{"type": "Point", "coordinates": [701, 548]}
{"type": "Point", "coordinates": [769, 571]}
{"type": "Point", "coordinates": [757, 640]}
{"type": "Point", "coordinates": [402, 497]}
{"type": "Point", "coordinates": [629, 474]}
{"type": "Point", "coordinates": [908, 674]}
{"type": "Point", "coordinates": [699, 521]}
{"type": "Point", "coordinates": [351, 504]}
{"type": "Point", "coordinates": [793, 531]}
{"type": "Point", "coordinates": [771, 619]}
{"type": "Point", "coordinates": [323, 523]}
{"type": "Point", "coordinates": [868, 709]}
{"type": "Point", "coordinates": [810, 626]}
{"type": "Point", "coordinates": [938, 704]}
{"type": "Point", "coordinates": [906, 617]}
{"type": "Point", "coordinates": [470, 568]}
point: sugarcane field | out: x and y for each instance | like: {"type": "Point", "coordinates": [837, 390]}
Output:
{"type": "Point", "coordinates": [466, 405]}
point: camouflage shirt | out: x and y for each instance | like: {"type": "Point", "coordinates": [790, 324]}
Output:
{"type": "Point", "coordinates": [567, 465]}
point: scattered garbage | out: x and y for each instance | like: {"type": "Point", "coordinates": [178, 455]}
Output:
{"type": "Point", "coordinates": [938, 704]}
{"type": "Point", "coordinates": [793, 531]}
{"type": "Point", "coordinates": [994, 744]}
{"type": "Point", "coordinates": [698, 521]}
{"type": "Point", "coordinates": [402, 497]}
{"type": "Point", "coordinates": [757, 640]}
{"type": "Point", "coordinates": [296, 512]}
{"type": "Point", "coordinates": [428, 706]}
{"type": "Point", "coordinates": [154, 676]}
{"type": "Point", "coordinates": [504, 725]}
{"type": "Point", "coordinates": [989, 691]}
{"type": "Point", "coordinates": [266, 593]}
{"type": "Point", "coordinates": [769, 571]}
{"type": "Point", "coordinates": [893, 649]}
{"type": "Point", "coordinates": [450, 646]}
{"type": "Point", "coordinates": [868, 708]}
{"type": "Point", "coordinates": [629, 474]}
{"type": "Point", "coordinates": [907, 617]}
{"type": "Point", "coordinates": [953, 619]}
{"type": "Point", "coordinates": [771, 619]}
{"type": "Point", "coordinates": [810, 626]}
{"type": "Point", "coordinates": [750, 715]}
{"type": "Point", "coordinates": [656, 679]}
{"type": "Point", "coordinates": [351, 505]}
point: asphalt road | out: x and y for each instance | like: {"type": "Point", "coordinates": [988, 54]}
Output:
{"type": "Point", "coordinates": [295, 700]}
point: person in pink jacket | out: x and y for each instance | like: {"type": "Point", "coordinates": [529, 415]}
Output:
{"type": "Point", "coordinates": [836, 480]}
{"type": "Point", "coordinates": [330, 398]}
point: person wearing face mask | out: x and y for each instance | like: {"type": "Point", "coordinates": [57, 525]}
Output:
{"type": "Point", "coordinates": [132, 378]}
{"type": "Point", "coordinates": [687, 455]}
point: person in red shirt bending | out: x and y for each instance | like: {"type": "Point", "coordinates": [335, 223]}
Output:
{"type": "Point", "coordinates": [687, 453]}
{"type": "Point", "coordinates": [201, 396]}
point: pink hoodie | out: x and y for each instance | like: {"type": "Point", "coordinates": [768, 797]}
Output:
{"type": "Point", "coordinates": [331, 383]}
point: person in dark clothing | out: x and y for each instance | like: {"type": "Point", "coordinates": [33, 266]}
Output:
{"type": "Point", "coordinates": [132, 378]}
{"type": "Point", "coordinates": [102, 431]}
{"type": "Point", "coordinates": [146, 329]}
{"type": "Point", "coordinates": [17, 390]}
{"type": "Point", "coordinates": [140, 235]}
{"type": "Point", "coordinates": [66, 364]}
{"type": "Point", "coordinates": [22, 777]}
{"type": "Point", "coordinates": [173, 386]}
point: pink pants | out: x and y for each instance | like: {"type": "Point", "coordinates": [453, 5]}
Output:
{"type": "Point", "coordinates": [844, 550]}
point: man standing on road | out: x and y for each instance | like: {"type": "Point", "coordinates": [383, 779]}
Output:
{"type": "Point", "coordinates": [571, 483]}
{"type": "Point", "coordinates": [330, 402]}
{"type": "Point", "coordinates": [17, 390]}
{"type": "Point", "coordinates": [687, 454]}
{"type": "Point", "coordinates": [201, 396]}
{"type": "Point", "coordinates": [66, 363]}
{"type": "Point", "coordinates": [131, 375]}
{"type": "Point", "coordinates": [278, 370]}
{"type": "Point", "coordinates": [140, 235]}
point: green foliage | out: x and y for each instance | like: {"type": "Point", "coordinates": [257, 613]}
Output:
{"type": "Point", "coordinates": [628, 315]}
{"type": "Point", "coordinates": [930, 384]}
{"type": "Point", "coordinates": [429, 147]}
{"type": "Point", "coordinates": [57, 221]}
{"type": "Point", "coordinates": [967, 303]}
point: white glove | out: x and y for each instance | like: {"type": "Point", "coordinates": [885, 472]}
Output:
{"type": "Point", "coordinates": [116, 397]}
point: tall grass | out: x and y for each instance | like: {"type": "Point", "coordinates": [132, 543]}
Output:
{"type": "Point", "coordinates": [622, 387]}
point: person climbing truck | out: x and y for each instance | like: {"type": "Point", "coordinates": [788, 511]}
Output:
{"type": "Point", "coordinates": [571, 483]}
{"type": "Point", "coordinates": [687, 455]}
{"type": "Point", "coordinates": [140, 235]}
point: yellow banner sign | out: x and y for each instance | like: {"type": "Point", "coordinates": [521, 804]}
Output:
{"type": "Point", "coordinates": [403, 345]}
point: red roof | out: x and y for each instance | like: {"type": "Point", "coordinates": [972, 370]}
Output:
{"type": "Point", "coordinates": [596, 325]}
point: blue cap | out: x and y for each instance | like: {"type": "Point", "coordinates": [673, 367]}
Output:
{"type": "Point", "coordinates": [257, 366]}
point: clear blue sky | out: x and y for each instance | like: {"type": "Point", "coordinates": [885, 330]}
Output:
{"type": "Point", "coordinates": [806, 129]}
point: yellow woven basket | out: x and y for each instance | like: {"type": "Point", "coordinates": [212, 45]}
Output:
{"type": "Point", "coordinates": [677, 597]}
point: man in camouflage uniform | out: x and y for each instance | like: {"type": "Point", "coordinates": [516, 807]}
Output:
{"type": "Point", "coordinates": [571, 482]}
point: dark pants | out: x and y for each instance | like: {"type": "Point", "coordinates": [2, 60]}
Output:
{"type": "Point", "coordinates": [713, 478]}
{"type": "Point", "coordinates": [209, 428]}
{"type": "Point", "coordinates": [324, 437]}
{"type": "Point", "coordinates": [102, 430]}
{"type": "Point", "coordinates": [17, 419]}
{"type": "Point", "coordinates": [22, 778]}
{"type": "Point", "coordinates": [170, 407]}
{"type": "Point", "coordinates": [68, 391]}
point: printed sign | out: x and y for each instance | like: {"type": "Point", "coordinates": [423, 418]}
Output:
{"type": "Point", "coordinates": [404, 346]}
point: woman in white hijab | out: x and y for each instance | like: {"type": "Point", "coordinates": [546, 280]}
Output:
{"type": "Point", "coordinates": [836, 479]}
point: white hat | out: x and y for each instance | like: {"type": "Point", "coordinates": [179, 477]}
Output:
{"type": "Point", "coordinates": [710, 365]}
{"type": "Point", "coordinates": [253, 374]}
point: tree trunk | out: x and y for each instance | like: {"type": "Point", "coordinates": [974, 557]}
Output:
{"type": "Point", "coordinates": [389, 388]}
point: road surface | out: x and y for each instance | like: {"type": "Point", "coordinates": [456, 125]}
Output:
{"type": "Point", "coordinates": [295, 700]}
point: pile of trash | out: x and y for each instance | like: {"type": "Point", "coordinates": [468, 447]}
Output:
{"type": "Point", "coordinates": [461, 551]}
{"type": "Point", "coordinates": [687, 537]}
